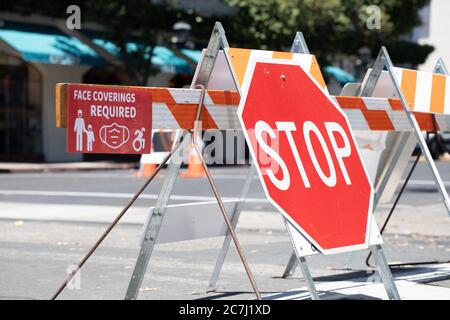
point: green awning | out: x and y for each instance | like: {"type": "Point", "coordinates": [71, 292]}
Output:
{"type": "Point", "coordinates": [47, 44]}
{"type": "Point", "coordinates": [339, 74]}
{"type": "Point", "coordinates": [163, 58]}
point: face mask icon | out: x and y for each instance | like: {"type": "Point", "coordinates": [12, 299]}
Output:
{"type": "Point", "coordinates": [114, 135]}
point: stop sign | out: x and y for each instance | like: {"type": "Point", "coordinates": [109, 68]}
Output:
{"type": "Point", "coordinates": [306, 155]}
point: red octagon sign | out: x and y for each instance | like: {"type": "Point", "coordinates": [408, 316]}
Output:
{"type": "Point", "coordinates": [306, 155]}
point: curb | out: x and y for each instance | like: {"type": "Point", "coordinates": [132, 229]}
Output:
{"type": "Point", "coordinates": [59, 167]}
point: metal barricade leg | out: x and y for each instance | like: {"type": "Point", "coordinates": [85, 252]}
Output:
{"type": "Point", "coordinates": [154, 226]}
{"type": "Point", "coordinates": [291, 266]}
{"type": "Point", "coordinates": [385, 272]}
{"type": "Point", "coordinates": [308, 278]}
{"type": "Point", "coordinates": [386, 60]}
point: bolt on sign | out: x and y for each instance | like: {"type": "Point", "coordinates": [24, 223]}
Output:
{"type": "Point", "coordinates": [108, 119]}
{"type": "Point", "coordinates": [306, 155]}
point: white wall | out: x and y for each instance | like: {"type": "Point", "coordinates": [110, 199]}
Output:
{"type": "Point", "coordinates": [435, 31]}
{"type": "Point", "coordinates": [53, 139]}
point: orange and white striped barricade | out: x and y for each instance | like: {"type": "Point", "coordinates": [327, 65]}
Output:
{"type": "Point", "coordinates": [223, 67]}
{"type": "Point", "coordinates": [301, 240]}
{"type": "Point", "coordinates": [179, 109]}
{"type": "Point", "coordinates": [423, 94]}
{"type": "Point", "coordinates": [365, 114]}
{"type": "Point", "coordinates": [383, 115]}
{"type": "Point", "coordinates": [423, 103]}
{"type": "Point", "coordinates": [395, 161]}
{"type": "Point", "coordinates": [236, 60]}
{"type": "Point", "coordinates": [175, 109]}
{"type": "Point", "coordinates": [371, 145]}
{"type": "Point", "coordinates": [214, 117]}
{"type": "Point", "coordinates": [402, 143]}
{"type": "Point", "coordinates": [427, 108]}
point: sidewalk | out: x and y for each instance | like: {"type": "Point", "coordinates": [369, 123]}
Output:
{"type": "Point", "coordinates": [14, 167]}
{"type": "Point", "coordinates": [18, 167]}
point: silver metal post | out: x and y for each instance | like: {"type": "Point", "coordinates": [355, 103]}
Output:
{"type": "Point", "coordinates": [377, 69]}
{"type": "Point", "coordinates": [301, 260]}
{"type": "Point", "coordinates": [392, 163]}
{"type": "Point", "coordinates": [385, 272]}
{"type": "Point", "coordinates": [440, 67]}
{"type": "Point", "coordinates": [308, 278]}
{"type": "Point", "coordinates": [216, 41]}
{"type": "Point", "coordinates": [299, 44]}
{"type": "Point", "coordinates": [290, 267]}
{"type": "Point", "coordinates": [151, 234]}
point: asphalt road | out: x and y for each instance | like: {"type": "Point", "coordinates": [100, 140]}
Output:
{"type": "Point", "coordinates": [115, 187]}
{"type": "Point", "coordinates": [36, 256]}
{"type": "Point", "coordinates": [49, 220]}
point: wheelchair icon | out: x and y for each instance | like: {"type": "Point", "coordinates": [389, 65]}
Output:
{"type": "Point", "coordinates": [139, 140]}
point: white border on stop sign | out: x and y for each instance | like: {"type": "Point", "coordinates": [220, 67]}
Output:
{"type": "Point", "coordinates": [303, 247]}
{"type": "Point", "coordinates": [254, 58]}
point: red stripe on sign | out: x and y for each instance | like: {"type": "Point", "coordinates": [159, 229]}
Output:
{"type": "Point", "coordinates": [396, 104]}
{"type": "Point", "coordinates": [163, 96]}
{"type": "Point", "coordinates": [378, 120]}
{"type": "Point", "coordinates": [185, 115]}
{"type": "Point", "coordinates": [351, 102]}
{"type": "Point", "coordinates": [224, 97]}
{"type": "Point", "coordinates": [426, 121]}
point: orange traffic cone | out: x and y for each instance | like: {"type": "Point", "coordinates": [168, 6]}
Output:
{"type": "Point", "coordinates": [146, 170]}
{"type": "Point", "coordinates": [147, 165]}
{"type": "Point", "coordinates": [195, 168]}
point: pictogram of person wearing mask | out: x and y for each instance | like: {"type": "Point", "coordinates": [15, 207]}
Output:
{"type": "Point", "coordinates": [79, 128]}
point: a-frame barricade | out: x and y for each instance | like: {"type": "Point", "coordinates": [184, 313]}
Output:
{"type": "Point", "coordinates": [202, 103]}
{"type": "Point", "coordinates": [298, 45]}
{"type": "Point", "coordinates": [401, 144]}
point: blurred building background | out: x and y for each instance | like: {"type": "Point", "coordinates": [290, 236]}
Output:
{"type": "Point", "coordinates": [434, 31]}
{"type": "Point", "coordinates": [37, 51]}
{"type": "Point", "coordinates": [33, 58]}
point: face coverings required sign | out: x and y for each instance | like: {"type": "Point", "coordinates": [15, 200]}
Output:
{"type": "Point", "coordinates": [105, 119]}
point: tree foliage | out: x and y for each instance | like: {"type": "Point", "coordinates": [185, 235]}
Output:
{"type": "Point", "coordinates": [145, 23]}
{"type": "Point", "coordinates": [330, 27]}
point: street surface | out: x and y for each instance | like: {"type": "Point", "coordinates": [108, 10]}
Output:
{"type": "Point", "coordinates": [49, 220]}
